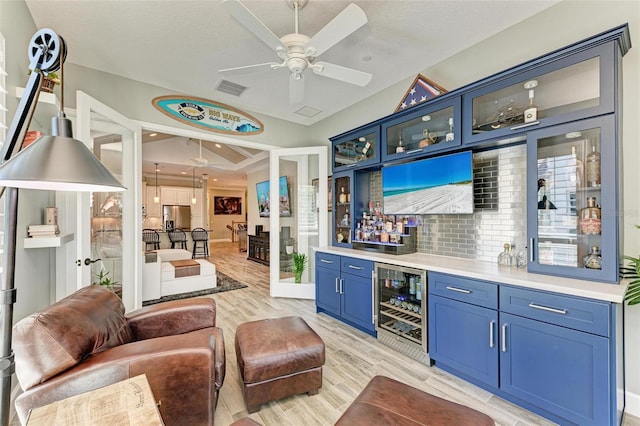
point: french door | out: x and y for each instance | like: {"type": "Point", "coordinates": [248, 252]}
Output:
{"type": "Point", "coordinates": [107, 226]}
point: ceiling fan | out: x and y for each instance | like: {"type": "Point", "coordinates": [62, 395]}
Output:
{"type": "Point", "coordinates": [200, 161]}
{"type": "Point", "coordinates": [298, 52]}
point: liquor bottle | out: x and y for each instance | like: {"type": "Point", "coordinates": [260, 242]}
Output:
{"type": "Point", "coordinates": [400, 147]}
{"type": "Point", "coordinates": [531, 113]}
{"type": "Point", "coordinates": [593, 260]}
{"type": "Point", "coordinates": [505, 258]}
{"type": "Point", "coordinates": [589, 219]}
{"type": "Point", "coordinates": [450, 135]}
{"type": "Point", "coordinates": [521, 258]}
{"type": "Point", "coordinates": [384, 236]}
{"type": "Point", "coordinates": [579, 168]}
{"type": "Point", "coordinates": [343, 197]}
{"type": "Point", "coordinates": [419, 287]}
{"type": "Point", "coordinates": [593, 167]}
{"type": "Point", "coordinates": [358, 236]}
{"type": "Point", "coordinates": [412, 285]}
{"type": "Point", "coordinates": [387, 280]}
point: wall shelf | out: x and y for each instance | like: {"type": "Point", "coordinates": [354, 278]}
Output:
{"type": "Point", "coordinates": [45, 242]}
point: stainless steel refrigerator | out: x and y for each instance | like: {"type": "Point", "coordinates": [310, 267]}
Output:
{"type": "Point", "coordinates": [176, 217]}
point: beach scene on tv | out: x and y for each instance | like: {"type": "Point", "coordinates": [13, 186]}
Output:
{"type": "Point", "coordinates": [440, 185]}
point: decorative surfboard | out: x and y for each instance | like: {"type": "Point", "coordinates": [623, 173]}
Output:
{"type": "Point", "coordinates": [208, 115]}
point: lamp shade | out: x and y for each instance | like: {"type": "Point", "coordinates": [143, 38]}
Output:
{"type": "Point", "coordinates": [58, 163]}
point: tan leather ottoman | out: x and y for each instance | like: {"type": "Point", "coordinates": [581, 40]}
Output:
{"type": "Point", "coordinates": [278, 358]}
{"type": "Point", "coordinates": [385, 401]}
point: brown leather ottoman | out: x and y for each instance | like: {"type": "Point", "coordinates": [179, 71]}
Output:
{"type": "Point", "coordinates": [277, 358]}
{"type": "Point", "coordinates": [385, 401]}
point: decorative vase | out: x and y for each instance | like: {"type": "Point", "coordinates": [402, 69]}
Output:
{"type": "Point", "coordinates": [297, 276]}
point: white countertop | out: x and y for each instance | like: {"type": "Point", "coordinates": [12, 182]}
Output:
{"type": "Point", "coordinates": [489, 271]}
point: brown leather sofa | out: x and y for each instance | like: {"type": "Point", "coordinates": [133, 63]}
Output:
{"type": "Point", "coordinates": [388, 402]}
{"type": "Point", "coordinates": [85, 341]}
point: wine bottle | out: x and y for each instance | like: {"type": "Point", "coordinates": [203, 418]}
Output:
{"type": "Point", "coordinates": [593, 167]}
{"type": "Point", "coordinates": [400, 147]}
{"type": "Point", "coordinates": [343, 197]}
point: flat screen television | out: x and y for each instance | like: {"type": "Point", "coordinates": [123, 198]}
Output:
{"type": "Point", "coordinates": [438, 185]}
{"type": "Point", "coordinates": [262, 190]}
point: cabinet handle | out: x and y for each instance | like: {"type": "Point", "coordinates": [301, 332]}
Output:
{"type": "Point", "coordinates": [504, 337]}
{"type": "Point", "coordinates": [491, 342]}
{"type": "Point", "coordinates": [355, 267]}
{"type": "Point", "coordinates": [341, 284]}
{"type": "Point", "coordinates": [413, 151]}
{"type": "Point", "coordinates": [548, 309]}
{"type": "Point", "coordinates": [531, 251]}
{"type": "Point", "coordinates": [326, 261]}
{"type": "Point", "coordinates": [522, 126]}
{"type": "Point", "coordinates": [459, 290]}
{"type": "Point", "coordinates": [373, 301]}
{"type": "Point", "coordinates": [337, 284]}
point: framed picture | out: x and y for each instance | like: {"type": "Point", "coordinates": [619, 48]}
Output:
{"type": "Point", "coordinates": [316, 186]}
{"type": "Point", "coordinates": [227, 205]}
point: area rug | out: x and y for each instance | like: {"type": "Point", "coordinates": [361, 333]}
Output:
{"type": "Point", "coordinates": [224, 283]}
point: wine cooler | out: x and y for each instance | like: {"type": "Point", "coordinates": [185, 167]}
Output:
{"type": "Point", "coordinates": [401, 309]}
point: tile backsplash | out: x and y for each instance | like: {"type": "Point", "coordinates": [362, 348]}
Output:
{"type": "Point", "coordinates": [499, 181]}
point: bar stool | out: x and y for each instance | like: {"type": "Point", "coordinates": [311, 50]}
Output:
{"type": "Point", "coordinates": [151, 238]}
{"type": "Point", "coordinates": [200, 239]}
{"type": "Point", "coordinates": [178, 238]}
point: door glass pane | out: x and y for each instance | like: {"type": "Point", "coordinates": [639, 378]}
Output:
{"type": "Point", "coordinates": [298, 216]}
{"type": "Point", "coordinates": [106, 207]}
{"type": "Point", "coordinates": [421, 132]}
{"type": "Point", "coordinates": [569, 219]}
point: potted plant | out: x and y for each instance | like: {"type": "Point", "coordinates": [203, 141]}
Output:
{"type": "Point", "coordinates": [632, 272]}
{"type": "Point", "coordinates": [49, 81]}
{"type": "Point", "coordinates": [299, 263]}
{"type": "Point", "coordinates": [105, 281]}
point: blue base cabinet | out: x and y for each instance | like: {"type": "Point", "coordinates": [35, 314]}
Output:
{"type": "Point", "coordinates": [556, 355]}
{"type": "Point", "coordinates": [344, 290]}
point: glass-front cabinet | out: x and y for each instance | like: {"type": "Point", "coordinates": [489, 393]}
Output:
{"type": "Point", "coordinates": [350, 195]}
{"type": "Point", "coordinates": [566, 89]}
{"type": "Point", "coordinates": [402, 303]}
{"type": "Point", "coordinates": [356, 149]}
{"type": "Point", "coordinates": [572, 200]}
{"type": "Point", "coordinates": [427, 129]}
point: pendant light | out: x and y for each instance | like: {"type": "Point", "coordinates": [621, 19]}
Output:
{"type": "Point", "coordinates": [156, 199]}
{"type": "Point", "coordinates": [193, 195]}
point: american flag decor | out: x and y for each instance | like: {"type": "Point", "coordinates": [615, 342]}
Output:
{"type": "Point", "coordinates": [422, 89]}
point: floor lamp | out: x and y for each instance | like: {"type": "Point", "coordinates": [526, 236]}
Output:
{"type": "Point", "coordinates": [39, 166]}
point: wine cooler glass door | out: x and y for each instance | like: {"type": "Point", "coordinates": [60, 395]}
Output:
{"type": "Point", "coordinates": [402, 303]}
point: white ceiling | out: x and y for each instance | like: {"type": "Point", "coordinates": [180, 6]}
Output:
{"type": "Point", "coordinates": [181, 45]}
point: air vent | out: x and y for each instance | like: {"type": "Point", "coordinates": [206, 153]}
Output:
{"type": "Point", "coordinates": [231, 88]}
{"type": "Point", "coordinates": [308, 111]}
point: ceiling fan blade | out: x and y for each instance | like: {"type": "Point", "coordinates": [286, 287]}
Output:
{"type": "Point", "coordinates": [296, 90]}
{"type": "Point", "coordinates": [348, 75]}
{"type": "Point", "coordinates": [347, 21]}
{"type": "Point", "coordinates": [248, 68]}
{"type": "Point", "coordinates": [253, 24]}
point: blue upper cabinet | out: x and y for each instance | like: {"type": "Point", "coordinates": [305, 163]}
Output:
{"type": "Point", "coordinates": [429, 128]}
{"type": "Point", "coordinates": [556, 90]}
{"type": "Point", "coordinates": [356, 149]}
{"type": "Point", "coordinates": [573, 196]}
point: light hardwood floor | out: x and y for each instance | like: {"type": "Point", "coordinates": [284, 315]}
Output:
{"type": "Point", "coordinates": [352, 359]}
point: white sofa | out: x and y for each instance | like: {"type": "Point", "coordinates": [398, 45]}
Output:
{"type": "Point", "coordinates": [158, 275]}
